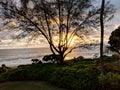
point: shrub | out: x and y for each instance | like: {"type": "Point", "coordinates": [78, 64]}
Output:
{"type": "Point", "coordinates": [110, 81]}
{"type": "Point", "coordinates": [112, 67]}
{"type": "Point", "coordinates": [116, 56]}
{"type": "Point", "coordinates": [17, 74]}
{"type": "Point", "coordinates": [4, 69]}
{"type": "Point", "coordinates": [75, 77]}
{"type": "Point", "coordinates": [80, 57]}
{"type": "Point", "coordinates": [4, 77]}
{"type": "Point", "coordinates": [107, 59]}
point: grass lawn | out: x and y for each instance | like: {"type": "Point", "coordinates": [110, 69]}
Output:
{"type": "Point", "coordinates": [27, 85]}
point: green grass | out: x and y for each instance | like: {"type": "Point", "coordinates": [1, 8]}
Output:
{"type": "Point", "coordinates": [27, 85]}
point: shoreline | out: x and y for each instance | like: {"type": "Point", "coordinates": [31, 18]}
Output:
{"type": "Point", "coordinates": [19, 56]}
{"type": "Point", "coordinates": [21, 47]}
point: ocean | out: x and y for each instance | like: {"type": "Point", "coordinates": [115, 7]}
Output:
{"type": "Point", "coordinates": [21, 56]}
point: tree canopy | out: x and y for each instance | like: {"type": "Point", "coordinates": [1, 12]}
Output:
{"type": "Point", "coordinates": [114, 41]}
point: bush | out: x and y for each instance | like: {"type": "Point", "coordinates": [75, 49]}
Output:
{"type": "Point", "coordinates": [75, 77]}
{"type": "Point", "coordinates": [116, 56]}
{"type": "Point", "coordinates": [107, 59]}
{"type": "Point", "coordinates": [4, 77]}
{"type": "Point", "coordinates": [4, 69]}
{"type": "Point", "coordinates": [112, 67]}
{"type": "Point", "coordinates": [80, 57]}
{"type": "Point", "coordinates": [110, 81]}
{"type": "Point", "coordinates": [72, 75]}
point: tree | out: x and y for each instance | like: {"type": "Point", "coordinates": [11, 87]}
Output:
{"type": "Point", "coordinates": [63, 19]}
{"type": "Point", "coordinates": [114, 41]}
{"type": "Point", "coordinates": [102, 36]}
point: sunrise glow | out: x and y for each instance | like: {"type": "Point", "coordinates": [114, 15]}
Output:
{"type": "Point", "coordinates": [71, 41]}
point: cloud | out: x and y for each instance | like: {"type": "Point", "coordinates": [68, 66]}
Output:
{"type": "Point", "coordinates": [116, 3]}
{"type": "Point", "coordinates": [13, 24]}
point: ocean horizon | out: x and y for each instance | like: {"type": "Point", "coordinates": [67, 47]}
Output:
{"type": "Point", "coordinates": [21, 56]}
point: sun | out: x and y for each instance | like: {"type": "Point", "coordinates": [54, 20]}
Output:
{"type": "Point", "coordinates": [71, 41]}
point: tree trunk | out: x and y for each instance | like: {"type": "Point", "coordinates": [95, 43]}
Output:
{"type": "Point", "coordinates": [61, 58]}
{"type": "Point", "coordinates": [102, 37]}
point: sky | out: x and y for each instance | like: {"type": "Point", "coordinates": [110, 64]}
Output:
{"type": "Point", "coordinates": [116, 3]}
{"type": "Point", "coordinates": [114, 23]}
